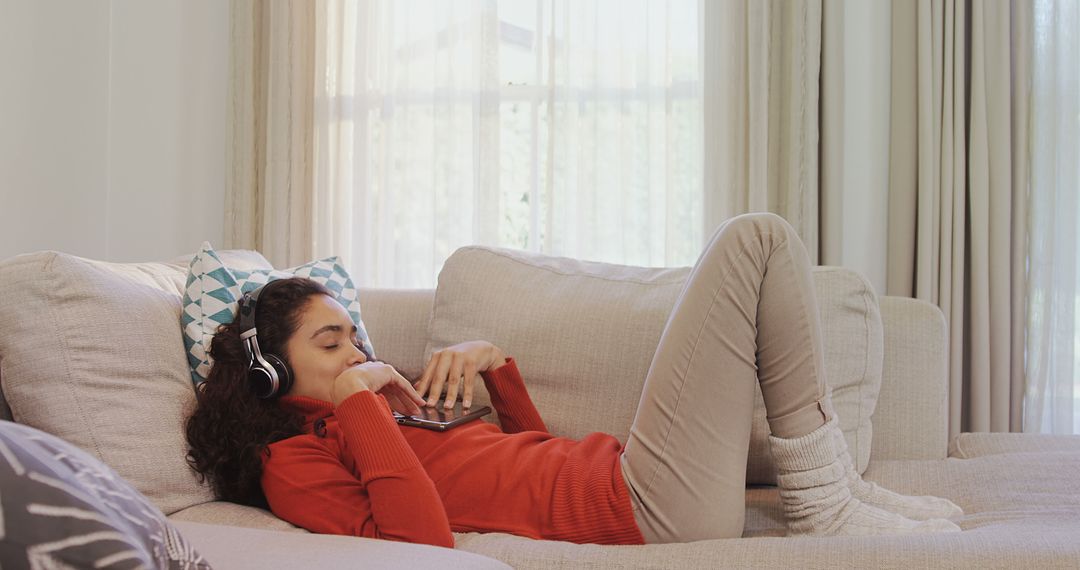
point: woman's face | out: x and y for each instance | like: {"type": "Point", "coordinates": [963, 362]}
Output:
{"type": "Point", "coordinates": [322, 347]}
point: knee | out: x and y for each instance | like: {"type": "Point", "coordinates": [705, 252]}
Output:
{"type": "Point", "coordinates": [755, 227]}
{"type": "Point", "coordinates": [762, 222]}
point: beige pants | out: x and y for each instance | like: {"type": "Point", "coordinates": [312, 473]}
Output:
{"type": "Point", "coordinates": [746, 314]}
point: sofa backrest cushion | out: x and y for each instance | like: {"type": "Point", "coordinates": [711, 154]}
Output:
{"type": "Point", "coordinates": [584, 334]}
{"type": "Point", "coordinates": [91, 352]}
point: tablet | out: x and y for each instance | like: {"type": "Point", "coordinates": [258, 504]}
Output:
{"type": "Point", "coordinates": [440, 419]}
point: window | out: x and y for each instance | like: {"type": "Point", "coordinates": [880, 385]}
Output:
{"type": "Point", "coordinates": [566, 127]}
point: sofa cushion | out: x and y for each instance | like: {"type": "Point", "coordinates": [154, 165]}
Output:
{"type": "Point", "coordinates": [213, 288]}
{"type": "Point", "coordinates": [1021, 510]}
{"type": "Point", "coordinates": [234, 514]}
{"type": "Point", "coordinates": [585, 332]}
{"type": "Point", "coordinates": [91, 352]}
{"type": "Point", "coordinates": [62, 508]}
{"type": "Point", "coordinates": [235, 547]}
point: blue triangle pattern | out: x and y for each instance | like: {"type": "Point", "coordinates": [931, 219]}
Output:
{"type": "Point", "coordinates": [223, 316]}
{"type": "Point", "coordinates": [223, 295]}
{"type": "Point", "coordinates": [222, 275]}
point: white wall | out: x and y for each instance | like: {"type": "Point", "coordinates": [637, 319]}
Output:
{"type": "Point", "coordinates": [112, 126]}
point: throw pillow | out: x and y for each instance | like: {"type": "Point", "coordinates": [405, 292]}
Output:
{"type": "Point", "coordinates": [585, 332]}
{"type": "Point", "coordinates": [62, 508]}
{"type": "Point", "coordinates": [213, 290]}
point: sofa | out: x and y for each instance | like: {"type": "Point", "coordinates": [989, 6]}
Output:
{"type": "Point", "coordinates": [91, 351]}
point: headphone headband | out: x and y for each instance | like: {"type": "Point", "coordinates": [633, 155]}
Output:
{"type": "Point", "coordinates": [246, 311]}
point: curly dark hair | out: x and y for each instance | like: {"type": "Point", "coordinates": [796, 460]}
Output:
{"type": "Point", "coordinates": [230, 427]}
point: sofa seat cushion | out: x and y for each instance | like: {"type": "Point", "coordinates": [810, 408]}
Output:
{"type": "Point", "coordinates": [584, 335]}
{"type": "Point", "coordinates": [237, 547]}
{"type": "Point", "coordinates": [233, 514]}
{"type": "Point", "coordinates": [1022, 510]}
{"type": "Point", "coordinates": [998, 492]}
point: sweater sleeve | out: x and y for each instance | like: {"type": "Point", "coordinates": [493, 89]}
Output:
{"type": "Point", "coordinates": [511, 400]}
{"type": "Point", "coordinates": [306, 484]}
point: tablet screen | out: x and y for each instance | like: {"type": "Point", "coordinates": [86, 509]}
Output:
{"type": "Point", "coordinates": [436, 417]}
{"type": "Point", "coordinates": [439, 414]}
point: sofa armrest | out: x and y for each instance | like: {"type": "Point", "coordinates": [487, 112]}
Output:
{"type": "Point", "coordinates": [911, 417]}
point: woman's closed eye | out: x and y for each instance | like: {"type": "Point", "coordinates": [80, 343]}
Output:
{"type": "Point", "coordinates": [356, 342]}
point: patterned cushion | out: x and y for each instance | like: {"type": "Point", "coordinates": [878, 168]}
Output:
{"type": "Point", "coordinates": [213, 290]}
{"type": "Point", "coordinates": [62, 508]}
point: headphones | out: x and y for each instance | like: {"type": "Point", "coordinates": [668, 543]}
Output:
{"type": "Point", "coordinates": [268, 374]}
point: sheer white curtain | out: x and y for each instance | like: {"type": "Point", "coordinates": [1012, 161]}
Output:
{"type": "Point", "coordinates": [1052, 401]}
{"type": "Point", "coordinates": [571, 127]}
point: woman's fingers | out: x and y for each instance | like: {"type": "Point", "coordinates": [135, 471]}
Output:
{"type": "Point", "coordinates": [439, 378]}
{"type": "Point", "coordinates": [450, 369]}
{"type": "Point", "coordinates": [425, 378]}
{"type": "Point", "coordinates": [410, 393]}
{"type": "Point", "coordinates": [408, 401]}
{"type": "Point", "coordinates": [470, 378]}
{"type": "Point", "coordinates": [395, 402]}
{"type": "Point", "coordinates": [454, 380]}
{"type": "Point", "coordinates": [408, 406]}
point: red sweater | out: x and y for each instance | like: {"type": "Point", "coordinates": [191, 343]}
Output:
{"type": "Point", "coordinates": [365, 475]}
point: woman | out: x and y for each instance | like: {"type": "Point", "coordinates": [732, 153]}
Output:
{"type": "Point", "coordinates": [328, 455]}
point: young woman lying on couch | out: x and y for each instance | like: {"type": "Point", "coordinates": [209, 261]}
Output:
{"type": "Point", "coordinates": [314, 439]}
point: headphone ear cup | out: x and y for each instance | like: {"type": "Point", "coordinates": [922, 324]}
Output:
{"type": "Point", "coordinates": [260, 381]}
{"type": "Point", "coordinates": [284, 374]}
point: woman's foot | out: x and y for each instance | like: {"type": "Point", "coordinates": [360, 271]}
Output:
{"type": "Point", "coordinates": [816, 497]}
{"type": "Point", "coordinates": [919, 508]}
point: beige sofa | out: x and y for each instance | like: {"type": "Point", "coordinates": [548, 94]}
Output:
{"type": "Point", "coordinates": [87, 353]}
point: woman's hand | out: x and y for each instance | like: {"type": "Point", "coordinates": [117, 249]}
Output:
{"type": "Point", "coordinates": [380, 378]}
{"type": "Point", "coordinates": [457, 365]}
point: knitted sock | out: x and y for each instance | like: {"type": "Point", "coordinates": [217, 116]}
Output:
{"type": "Point", "coordinates": [816, 500]}
{"type": "Point", "coordinates": [918, 508]}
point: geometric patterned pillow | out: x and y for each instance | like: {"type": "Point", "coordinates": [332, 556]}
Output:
{"type": "Point", "coordinates": [212, 293]}
{"type": "Point", "coordinates": [60, 507]}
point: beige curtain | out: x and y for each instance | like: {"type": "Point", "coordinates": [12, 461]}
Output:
{"type": "Point", "coordinates": [761, 67]}
{"type": "Point", "coordinates": [268, 196]}
{"type": "Point", "coordinates": [957, 182]}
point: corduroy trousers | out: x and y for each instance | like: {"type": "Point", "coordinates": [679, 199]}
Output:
{"type": "Point", "coordinates": [747, 314]}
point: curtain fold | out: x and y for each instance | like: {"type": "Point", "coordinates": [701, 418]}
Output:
{"type": "Point", "coordinates": [957, 223]}
{"type": "Point", "coordinates": [761, 72]}
{"type": "Point", "coordinates": [268, 194]}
